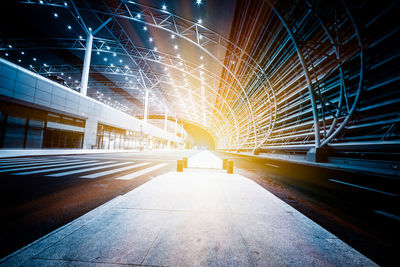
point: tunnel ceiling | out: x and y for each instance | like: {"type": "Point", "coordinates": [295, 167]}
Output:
{"type": "Point", "coordinates": [256, 74]}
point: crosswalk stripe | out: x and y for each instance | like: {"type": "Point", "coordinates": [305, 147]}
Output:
{"type": "Point", "coordinates": [34, 164]}
{"type": "Point", "coordinates": [29, 167]}
{"type": "Point", "coordinates": [141, 172]}
{"type": "Point", "coordinates": [50, 167]}
{"type": "Point", "coordinates": [16, 159]}
{"type": "Point", "coordinates": [27, 160]}
{"type": "Point", "coordinates": [87, 170]}
{"type": "Point", "coordinates": [78, 165]}
{"type": "Point", "coordinates": [98, 174]}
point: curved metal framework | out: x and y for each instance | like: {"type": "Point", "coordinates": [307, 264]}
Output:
{"type": "Point", "coordinates": [299, 83]}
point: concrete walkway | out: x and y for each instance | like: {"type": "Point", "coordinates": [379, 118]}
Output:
{"type": "Point", "coordinates": [193, 218]}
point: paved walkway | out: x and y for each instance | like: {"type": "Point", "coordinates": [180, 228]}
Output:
{"type": "Point", "coordinates": [193, 218]}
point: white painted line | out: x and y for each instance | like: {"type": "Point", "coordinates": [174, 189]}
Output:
{"type": "Point", "coordinates": [25, 159]}
{"type": "Point", "coordinates": [33, 164]}
{"type": "Point", "coordinates": [29, 167]}
{"type": "Point", "coordinates": [50, 166]}
{"type": "Point", "coordinates": [271, 165]}
{"type": "Point", "coordinates": [88, 169]}
{"type": "Point", "coordinates": [141, 172]}
{"type": "Point", "coordinates": [80, 165]}
{"type": "Point", "coordinates": [391, 216]}
{"type": "Point", "coordinates": [31, 159]}
{"type": "Point", "coordinates": [363, 187]}
{"type": "Point", "coordinates": [98, 174]}
{"type": "Point", "coordinates": [20, 161]}
{"type": "Point", "coordinates": [17, 162]}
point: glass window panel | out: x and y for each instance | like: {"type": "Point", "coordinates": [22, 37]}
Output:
{"type": "Point", "coordinates": [34, 137]}
{"type": "Point", "coordinates": [106, 140]}
{"type": "Point", "coordinates": [15, 132]}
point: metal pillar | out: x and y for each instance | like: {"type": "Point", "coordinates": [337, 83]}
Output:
{"type": "Point", "coordinates": [146, 105]}
{"type": "Point", "coordinates": [86, 64]}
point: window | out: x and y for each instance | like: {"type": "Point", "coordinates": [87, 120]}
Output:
{"type": "Point", "coordinates": [34, 136]}
{"type": "Point", "coordinates": [15, 132]}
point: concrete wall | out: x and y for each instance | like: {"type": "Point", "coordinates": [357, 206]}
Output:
{"type": "Point", "coordinates": [28, 88]}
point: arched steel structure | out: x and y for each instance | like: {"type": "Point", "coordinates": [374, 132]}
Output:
{"type": "Point", "coordinates": [296, 80]}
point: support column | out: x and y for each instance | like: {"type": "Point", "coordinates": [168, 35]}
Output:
{"type": "Point", "coordinates": [86, 64]}
{"type": "Point", "coordinates": [146, 105]}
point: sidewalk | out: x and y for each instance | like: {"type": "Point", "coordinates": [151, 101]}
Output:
{"type": "Point", "coordinates": [193, 218]}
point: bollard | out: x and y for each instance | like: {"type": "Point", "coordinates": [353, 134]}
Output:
{"type": "Point", "coordinates": [229, 166]}
{"type": "Point", "coordinates": [224, 161]}
{"type": "Point", "coordinates": [179, 166]}
{"type": "Point", "coordinates": [185, 162]}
